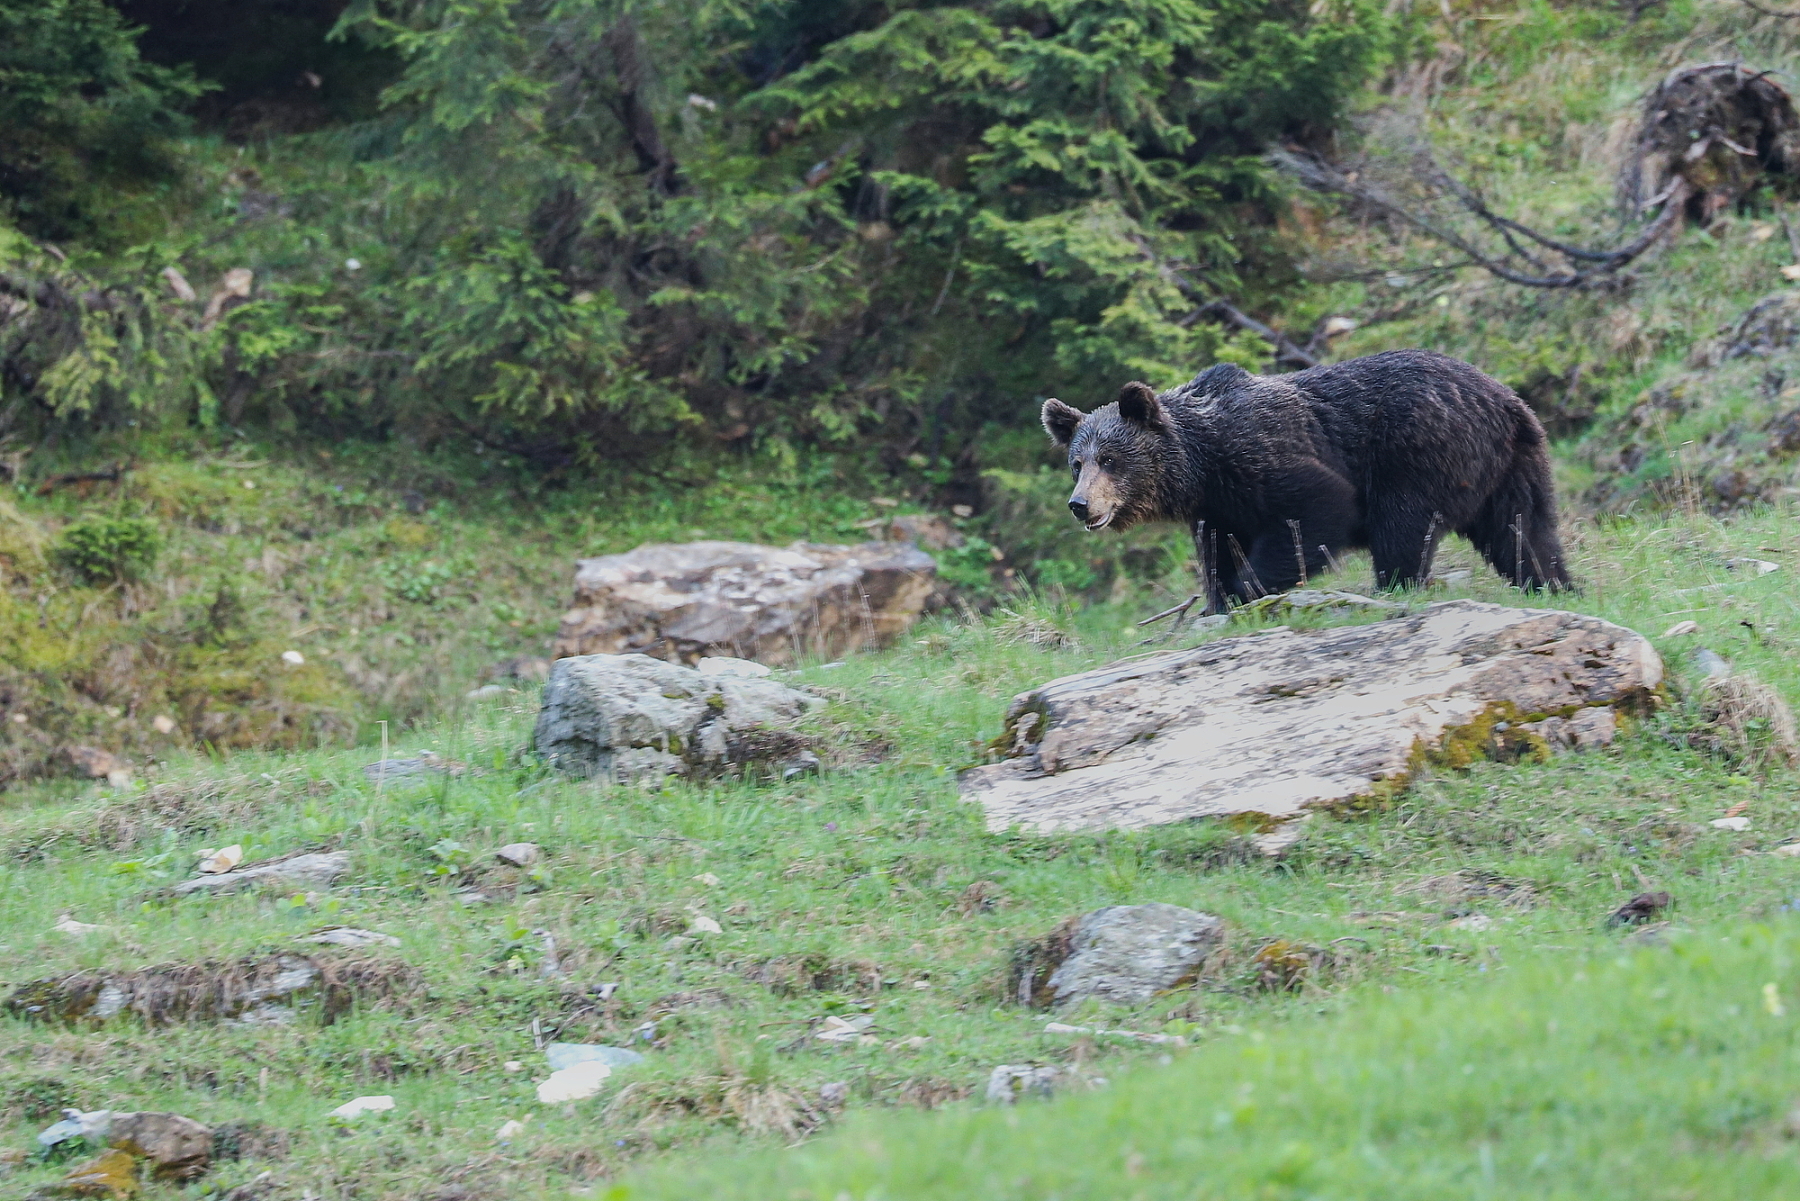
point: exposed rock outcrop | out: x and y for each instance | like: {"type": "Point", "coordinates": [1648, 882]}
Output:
{"type": "Point", "coordinates": [682, 601]}
{"type": "Point", "coordinates": [1276, 723]}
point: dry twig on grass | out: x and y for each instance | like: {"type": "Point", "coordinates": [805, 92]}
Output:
{"type": "Point", "coordinates": [1752, 722]}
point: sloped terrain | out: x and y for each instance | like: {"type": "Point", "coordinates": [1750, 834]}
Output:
{"type": "Point", "coordinates": [870, 891]}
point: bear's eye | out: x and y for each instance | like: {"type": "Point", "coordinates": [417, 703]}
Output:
{"type": "Point", "coordinates": [1106, 462]}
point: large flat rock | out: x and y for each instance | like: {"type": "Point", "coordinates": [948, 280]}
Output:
{"type": "Point", "coordinates": [683, 601]}
{"type": "Point", "coordinates": [1279, 722]}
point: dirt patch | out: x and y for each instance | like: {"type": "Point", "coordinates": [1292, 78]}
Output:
{"type": "Point", "coordinates": [273, 990]}
{"type": "Point", "coordinates": [1461, 887]}
{"type": "Point", "coordinates": [931, 1092]}
{"type": "Point", "coordinates": [118, 825]}
{"type": "Point", "coordinates": [1282, 965]}
{"type": "Point", "coordinates": [1644, 907]}
{"type": "Point", "coordinates": [755, 1107]}
{"type": "Point", "coordinates": [1752, 723]}
{"type": "Point", "coordinates": [37, 1099]}
{"type": "Point", "coordinates": [792, 975]}
{"type": "Point", "coordinates": [692, 999]}
{"type": "Point", "coordinates": [983, 896]}
{"type": "Point", "coordinates": [250, 1140]}
{"type": "Point", "coordinates": [1031, 963]}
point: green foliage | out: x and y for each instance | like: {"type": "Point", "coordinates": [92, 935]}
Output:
{"type": "Point", "coordinates": [969, 567]}
{"type": "Point", "coordinates": [586, 224]}
{"type": "Point", "coordinates": [103, 549]}
{"type": "Point", "coordinates": [81, 115]}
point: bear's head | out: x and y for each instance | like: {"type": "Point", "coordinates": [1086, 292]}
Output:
{"type": "Point", "coordinates": [1116, 453]}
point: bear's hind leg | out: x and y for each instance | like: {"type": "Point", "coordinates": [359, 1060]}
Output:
{"type": "Point", "coordinates": [1516, 531]}
{"type": "Point", "coordinates": [1403, 545]}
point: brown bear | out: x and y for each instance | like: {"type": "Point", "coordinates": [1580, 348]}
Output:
{"type": "Point", "coordinates": [1276, 474]}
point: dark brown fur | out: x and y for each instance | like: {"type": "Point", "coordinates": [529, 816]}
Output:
{"type": "Point", "coordinates": [1388, 452]}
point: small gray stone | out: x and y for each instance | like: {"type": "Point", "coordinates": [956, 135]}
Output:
{"type": "Point", "coordinates": [1711, 663]}
{"type": "Point", "coordinates": [520, 854]}
{"type": "Point", "coordinates": [567, 1055]}
{"type": "Point", "coordinates": [110, 1002]}
{"type": "Point", "coordinates": [424, 764]}
{"type": "Point", "coordinates": [1011, 1081]}
{"type": "Point", "coordinates": [804, 764]}
{"type": "Point", "coordinates": [487, 692]}
{"type": "Point", "coordinates": [349, 936]}
{"type": "Point", "coordinates": [1126, 954]}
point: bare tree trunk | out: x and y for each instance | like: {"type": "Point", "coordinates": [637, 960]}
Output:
{"type": "Point", "coordinates": [634, 111]}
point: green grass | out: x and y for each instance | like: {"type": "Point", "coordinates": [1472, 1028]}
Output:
{"type": "Point", "coordinates": [839, 894]}
{"type": "Point", "coordinates": [1448, 1041]}
{"type": "Point", "coordinates": [403, 578]}
{"type": "Point", "coordinates": [1664, 1073]}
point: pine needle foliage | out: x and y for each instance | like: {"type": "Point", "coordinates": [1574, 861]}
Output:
{"type": "Point", "coordinates": [580, 226]}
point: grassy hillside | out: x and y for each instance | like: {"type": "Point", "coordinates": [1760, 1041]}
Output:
{"type": "Point", "coordinates": [874, 890]}
{"type": "Point", "coordinates": [1465, 1022]}
{"type": "Point", "coordinates": [403, 578]}
{"type": "Point", "coordinates": [1665, 1073]}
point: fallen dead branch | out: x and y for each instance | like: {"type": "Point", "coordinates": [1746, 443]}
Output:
{"type": "Point", "coordinates": [1524, 255]}
{"type": "Point", "coordinates": [1708, 134]}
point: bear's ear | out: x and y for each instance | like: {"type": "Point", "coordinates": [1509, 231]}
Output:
{"type": "Point", "coordinates": [1060, 421]}
{"type": "Point", "coordinates": [1138, 405]}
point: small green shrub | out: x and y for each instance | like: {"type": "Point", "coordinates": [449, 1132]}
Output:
{"type": "Point", "coordinates": [969, 566]}
{"type": "Point", "coordinates": [102, 550]}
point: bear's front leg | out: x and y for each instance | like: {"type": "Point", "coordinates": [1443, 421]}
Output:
{"type": "Point", "coordinates": [1212, 588]}
{"type": "Point", "coordinates": [1217, 568]}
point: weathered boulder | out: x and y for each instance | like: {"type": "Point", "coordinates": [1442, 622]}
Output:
{"type": "Point", "coordinates": [631, 718]}
{"type": "Point", "coordinates": [680, 601]}
{"type": "Point", "coordinates": [1275, 723]}
{"type": "Point", "coordinates": [1126, 954]}
{"type": "Point", "coordinates": [111, 1174]}
{"type": "Point", "coordinates": [177, 1147]}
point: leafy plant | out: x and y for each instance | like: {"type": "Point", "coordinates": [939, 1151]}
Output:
{"type": "Point", "coordinates": [969, 566]}
{"type": "Point", "coordinates": [423, 582]}
{"type": "Point", "coordinates": [108, 549]}
{"type": "Point", "coordinates": [450, 857]}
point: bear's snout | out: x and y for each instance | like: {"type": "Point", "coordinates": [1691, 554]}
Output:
{"type": "Point", "coordinates": [1095, 501]}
